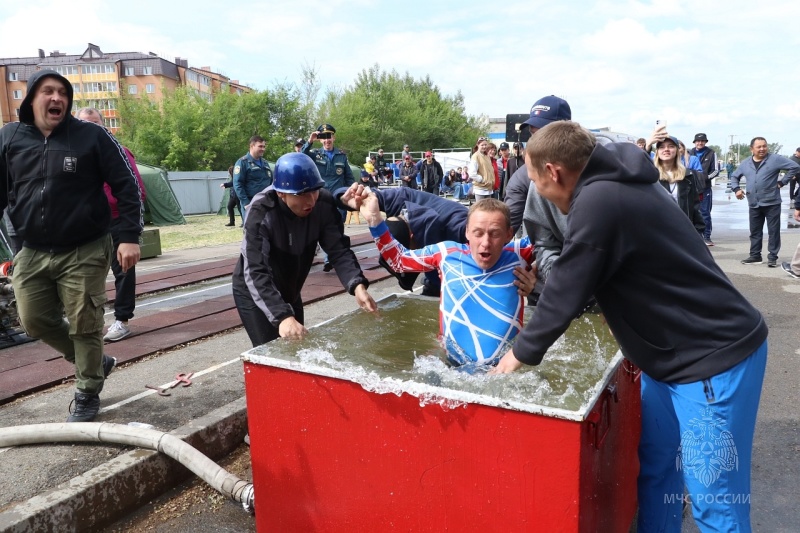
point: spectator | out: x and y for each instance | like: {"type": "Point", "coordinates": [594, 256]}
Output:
{"type": "Point", "coordinates": [406, 152]}
{"type": "Point", "coordinates": [332, 165]}
{"type": "Point", "coordinates": [62, 267]}
{"type": "Point", "coordinates": [298, 144]}
{"type": "Point", "coordinates": [273, 268]}
{"type": "Point", "coordinates": [763, 197]}
{"type": "Point", "coordinates": [793, 182]}
{"type": "Point", "coordinates": [251, 173]}
{"type": "Point", "coordinates": [708, 163]}
{"type": "Point", "coordinates": [367, 180]}
{"type": "Point", "coordinates": [408, 173]}
{"type": "Point", "coordinates": [515, 162]}
{"type": "Point", "coordinates": [641, 142]}
{"type": "Point", "coordinates": [369, 166]}
{"type": "Point", "coordinates": [492, 153]}
{"type": "Point", "coordinates": [502, 169]}
{"type": "Point", "coordinates": [383, 169]}
{"type": "Point", "coordinates": [480, 170]}
{"type": "Point", "coordinates": [124, 281]}
{"type": "Point", "coordinates": [544, 111]}
{"type": "Point", "coordinates": [481, 307]}
{"type": "Point", "coordinates": [233, 200]}
{"type": "Point", "coordinates": [431, 174]}
{"type": "Point", "coordinates": [793, 268]}
{"type": "Point", "coordinates": [452, 183]}
{"type": "Point", "coordinates": [700, 345]}
{"type": "Point", "coordinates": [679, 181]}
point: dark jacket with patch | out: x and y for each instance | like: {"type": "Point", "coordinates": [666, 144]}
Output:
{"type": "Point", "coordinates": [278, 250]}
{"type": "Point", "coordinates": [53, 186]}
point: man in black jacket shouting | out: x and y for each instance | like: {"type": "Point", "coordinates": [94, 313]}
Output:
{"type": "Point", "coordinates": [52, 170]}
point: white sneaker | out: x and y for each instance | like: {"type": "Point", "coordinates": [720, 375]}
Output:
{"type": "Point", "coordinates": [117, 332]}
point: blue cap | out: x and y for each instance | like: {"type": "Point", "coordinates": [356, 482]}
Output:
{"type": "Point", "coordinates": [548, 109]}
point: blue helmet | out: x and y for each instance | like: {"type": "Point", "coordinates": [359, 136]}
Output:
{"type": "Point", "coordinates": [296, 173]}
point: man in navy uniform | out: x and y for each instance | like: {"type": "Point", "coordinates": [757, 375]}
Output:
{"type": "Point", "coordinates": [251, 173]}
{"type": "Point", "coordinates": [332, 164]}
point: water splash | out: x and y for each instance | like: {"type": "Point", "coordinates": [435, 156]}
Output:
{"type": "Point", "coordinates": [400, 353]}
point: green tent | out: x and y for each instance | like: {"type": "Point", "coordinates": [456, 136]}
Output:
{"type": "Point", "coordinates": [161, 207]}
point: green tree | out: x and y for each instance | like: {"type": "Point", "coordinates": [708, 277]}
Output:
{"type": "Point", "coordinates": [385, 109]}
{"type": "Point", "coordinates": [187, 130]}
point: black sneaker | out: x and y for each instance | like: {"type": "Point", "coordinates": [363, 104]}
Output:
{"type": "Point", "coordinates": [108, 364]}
{"type": "Point", "coordinates": [787, 267]}
{"type": "Point", "coordinates": [772, 263]}
{"type": "Point", "coordinates": [406, 280]}
{"type": "Point", "coordinates": [752, 260]}
{"type": "Point", "coordinates": [327, 267]}
{"type": "Point", "coordinates": [86, 407]}
{"type": "Point", "coordinates": [708, 241]}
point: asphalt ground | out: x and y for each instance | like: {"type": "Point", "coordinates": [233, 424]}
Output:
{"type": "Point", "coordinates": [34, 476]}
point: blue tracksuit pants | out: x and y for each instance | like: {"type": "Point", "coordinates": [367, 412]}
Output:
{"type": "Point", "coordinates": [699, 436]}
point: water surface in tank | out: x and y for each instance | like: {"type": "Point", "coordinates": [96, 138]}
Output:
{"type": "Point", "coordinates": [402, 344]}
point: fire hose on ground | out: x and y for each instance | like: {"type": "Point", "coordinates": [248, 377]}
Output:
{"type": "Point", "coordinates": [217, 477]}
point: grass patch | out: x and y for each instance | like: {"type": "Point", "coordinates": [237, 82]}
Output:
{"type": "Point", "coordinates": [199, 231]}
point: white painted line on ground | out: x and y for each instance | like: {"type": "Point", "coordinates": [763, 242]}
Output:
{"type": "Point", "coordinates": [149, 392]}
{"type": "Point", "coordinates": [182, 295]}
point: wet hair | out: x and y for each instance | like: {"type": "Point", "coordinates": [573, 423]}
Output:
{"type": "Point", "coordinates": [564, 142]}
{"type": "Point", "coordinates": [490, 205]}
{"type": "Point", "coordinates": [753, 142]}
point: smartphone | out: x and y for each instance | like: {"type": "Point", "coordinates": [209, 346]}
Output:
{"type": "Point", "coordinates": [661, 124]}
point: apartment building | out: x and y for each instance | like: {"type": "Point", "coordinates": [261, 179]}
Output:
{"type": "Point", "coordinates": [99, 78]}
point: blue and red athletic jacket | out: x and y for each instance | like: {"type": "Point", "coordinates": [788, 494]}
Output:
{"type": "Point", "coordinates": [480, 312]}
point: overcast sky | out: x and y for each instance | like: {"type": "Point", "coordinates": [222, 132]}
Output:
{"type": "Point", "coordinates": [720, 67]}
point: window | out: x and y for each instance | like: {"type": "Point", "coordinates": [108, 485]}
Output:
{"type": "Point", "coordinates": [100, 87]}
{"type": "Point", "coordinates": [112, 122]}
{"type": "Point", "coordinates": [67, 70]}
{"type": "Point", "coordinates": [109, 68]}
{"type": "Point", "coordinates": [90, 69]}
{"type": "Point", "coordinates": [148, 71]}
{"type": "Point", "coordinates": [13, 76]}
{"type": "Point", "coordinates": [129, 71]}
{"type": "Point", "coordinates": [132, 89]}
{"type": "Point", "coordinates": [76, 88]}
{"type": "Point", "coordinates": [150, 88]}
{"type": "Point", "coordinates": [17, 112]}
{"type": "Point", "coordinates": [191, 76]}
{"type": "Point", "coordinates": [103, 104]}
{"type": "Point", "coordinates": [17, 95]}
